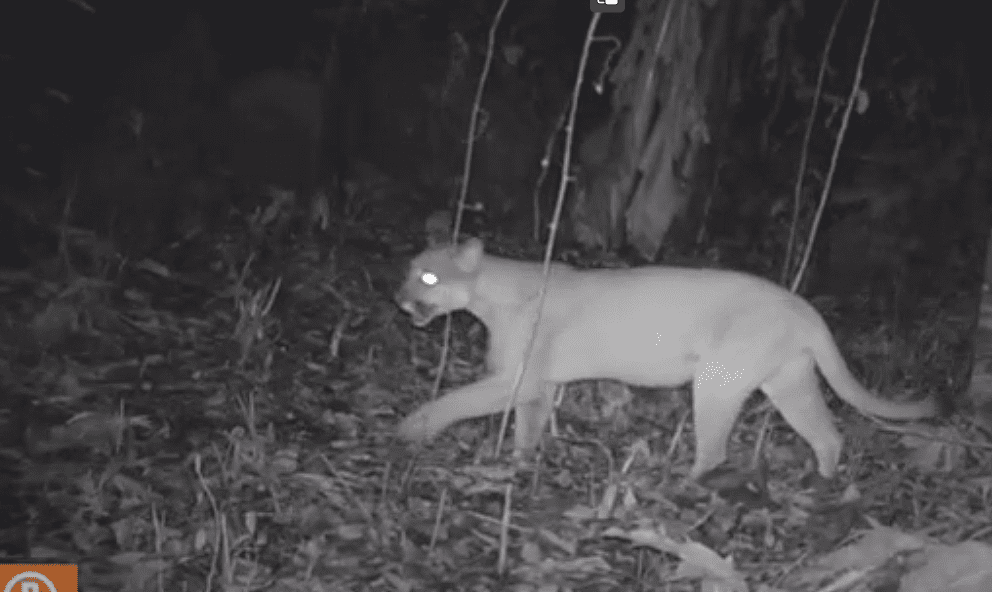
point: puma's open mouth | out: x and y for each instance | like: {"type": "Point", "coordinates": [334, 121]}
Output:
{"type": "Point", "coordinates": [420, 313]}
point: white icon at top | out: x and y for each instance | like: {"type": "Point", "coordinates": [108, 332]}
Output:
{"type": "Point", "coordinates": [606, 1]}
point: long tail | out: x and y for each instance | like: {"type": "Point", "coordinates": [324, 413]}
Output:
{"type": "Point", "coordinates": [838, 375]}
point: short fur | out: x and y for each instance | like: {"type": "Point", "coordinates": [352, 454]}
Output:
{"type": "Point", "coordinates": [729, 333]}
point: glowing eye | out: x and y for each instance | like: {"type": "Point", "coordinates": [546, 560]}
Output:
{"type": "Point", "coordinates": [428, 278]}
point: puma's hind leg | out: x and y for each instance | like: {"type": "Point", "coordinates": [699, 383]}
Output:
{"type": "Point", "coordinates": [714, 411]}
{"type": "Point", "coordinates": [725, 377]}
{"type": "Point", "coordinates": [720, 387]}
{"type": "Point", "coordinates": [795, 392]}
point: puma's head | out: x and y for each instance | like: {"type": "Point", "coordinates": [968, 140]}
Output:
{"type": "Point", "coordinates": [440, 280]}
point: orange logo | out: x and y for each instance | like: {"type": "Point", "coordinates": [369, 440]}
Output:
{"type": "Point", "coordinates": [39, 577]}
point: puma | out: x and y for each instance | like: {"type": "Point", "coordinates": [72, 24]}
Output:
{"type": "Point", "coordinates": [727, 332]}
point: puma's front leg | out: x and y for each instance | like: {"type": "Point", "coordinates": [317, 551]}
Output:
{"type": "Point", "coordinates": [531, 417]}
{"type": "Point", "coordinates": [484, 397]}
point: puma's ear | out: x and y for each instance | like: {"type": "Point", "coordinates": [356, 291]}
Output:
{"type": "Point", "coordinates": [438, 228]}
{"type": "Point", "coordinates": [469, 255]}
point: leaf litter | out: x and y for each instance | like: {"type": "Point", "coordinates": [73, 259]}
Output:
{"type": "Point", "coordinates": [239, 436]}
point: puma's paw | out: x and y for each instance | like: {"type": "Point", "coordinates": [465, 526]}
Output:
{"type": "Point", "coordinates": [417, 427]}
